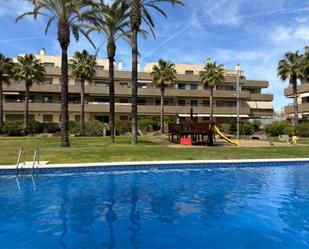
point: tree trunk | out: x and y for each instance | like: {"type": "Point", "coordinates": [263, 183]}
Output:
{"type": "Point", "coordinates": [1, 106]}
{"type": "Point", "coordinates": [135, 19]}
{"type": "Point", "coordinates": [26, 111]}
{"type": "Point", "coordinates": [112, 99]}
{"type": "Point", "coordinates": [134, 87]}
{"type": "Point", "coordinates": [296, 118]}
{"type": "Point", "coordinates": [82, 108]}
{"type": "Point", "coordinates": [162, 110]}
{"type": "Point", "coordinates": [211, 103]}
{"type": "Point", "coordinates": [64, 100]}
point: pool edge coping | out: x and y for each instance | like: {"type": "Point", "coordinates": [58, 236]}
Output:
{"type": "Point", "coordinates": [152, 163]}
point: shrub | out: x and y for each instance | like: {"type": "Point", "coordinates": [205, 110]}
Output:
{"type": "Point", "coordinates": [248, 128]}
{"type": "Point", "coordinates": [303, 129]}
{"type": "Point", "coordinates": [123, 126]}
{"type": "Point", "coordinates": [13, 128]}
{"type": "Point", "coordinates": [256, 125]}
{"type": "Point", "coordinates": [92, 128]}
{"type": "Point", "coordinates": [35, 127]}
{"type": "Point", "coordinates": [289, 130]}
{"type": "Point", "coordinates": [226, 128]}
{"type": "Point", "coordinates": [148, 124]}
{"type": "Point", "coordinates": [278, 128]}
{"type": "Point", "coordinates": [51, 127]}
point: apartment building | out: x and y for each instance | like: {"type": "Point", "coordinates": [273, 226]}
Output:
{"type": "Point", "coordinates": [303, 101]}
{"type": "Point", "coordinates": [186, 93]}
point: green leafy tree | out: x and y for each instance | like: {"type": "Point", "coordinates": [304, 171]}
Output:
{"type": "Point", "coordinates": [163, 75]}
{"type": "Point", "coordinates": [291, 68]}
{"type": "Point", "coordinates": [140, 13]}
{"type": "Point", "coordinates": [112, 21]}
{"type": "Point", "coordinates": [212, 76]}
{"type": "Point", "coordinates": [67, 15]}
{"type": "Point", "coordinates": [83, 68]}
{"type": "Point", "coordinates": [28, 70]}
{"type": "Point", "coordinates": [6, 70]}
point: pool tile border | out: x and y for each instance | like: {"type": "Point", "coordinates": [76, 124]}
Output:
{"type": "Point", "coordinates": [99, 167]}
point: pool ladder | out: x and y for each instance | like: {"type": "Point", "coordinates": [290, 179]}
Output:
{"type": "Point", "coordinates": [21, 160]}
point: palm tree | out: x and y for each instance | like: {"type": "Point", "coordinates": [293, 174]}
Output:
{"type": "Point", "coordinates": [212, 75]}
{"type": "Point", "coordinates": [6, 68]}
{"type": "Point", "coordinates": [291, 68]}
{"type": "Point", "coordinates": [111, 21]}
{"type": "Point", "coordinates": [163, 74]}
{"type": "Point", "coordinates": [28, 70]}
{"type": "Point", "coordinates": [67, 15]}
{"type": "Point", "coordinates": [140, 13]}
{"type": "Point", "coordinates": [83, 68]}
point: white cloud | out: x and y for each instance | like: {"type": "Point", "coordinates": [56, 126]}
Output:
{"type": "Point", "coordinates": [284, 34]}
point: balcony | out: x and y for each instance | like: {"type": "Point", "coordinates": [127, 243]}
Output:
{"type": "Point", "coordinates": [301, 108]}
{"type": "Point", "coordinates": [261, 97]}
{"type": "Point", "coordinates": [303, 88]}
{"type": "Point", "coordinates": [120, 108]}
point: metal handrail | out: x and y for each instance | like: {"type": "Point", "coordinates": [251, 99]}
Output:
{"type": "Point", "coordinates": [20, 154]}
{"type": "Point", "coordinates": [36, 158]}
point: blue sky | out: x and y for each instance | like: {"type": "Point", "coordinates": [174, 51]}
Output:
{"type": "Point", "coordinates": [254, 34]}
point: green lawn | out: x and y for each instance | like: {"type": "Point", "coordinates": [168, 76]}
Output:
{"type": "Point", "coordinates": [149, 148]}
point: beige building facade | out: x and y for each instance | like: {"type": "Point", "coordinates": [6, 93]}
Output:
{"type": "Point", "coordinates": [186, 93]}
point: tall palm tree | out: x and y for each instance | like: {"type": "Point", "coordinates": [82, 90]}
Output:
{"type": "Point", "coordinates": [140, 13]}
{"type": "Point", "coordinates": [28, 70]}
{"type": "Point", "coordinates": [83, 68]}
{"type": "Point", "coordinates": [113, 22]}
{"type": "Point", "coordinates": [291, 68]}
{"type": "Point", "coordinates": [67, 15]}
{"type": "Point", "coordinates": [212, 75]}
{"type": "Point", "coordinates": [6, 69]}
{"type": "Point", "coordinates": [163, 74]}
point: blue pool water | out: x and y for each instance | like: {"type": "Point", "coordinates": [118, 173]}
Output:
{"type": "Point", "coordinates": [246, 207]}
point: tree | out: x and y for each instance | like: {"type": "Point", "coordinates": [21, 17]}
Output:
{"type": "Point", "coordinates": [28, 70]}
{"type": "Point", "coordinates": [83, 68]}
{"type": "Point", "coordinates": [140, 13]}
{"type": "Point", "coordinates": [111, 21]}
{"type": "Point", "coordinates": [162, 75]}
{"type": "Point", "coordinates": [291, 68]}
{"type": "Point", "coordinates": [67, 14]}
{"type": "Point", "coordinates": [212, 75]}
{"type": "Point", "coordinates": [6, 70]}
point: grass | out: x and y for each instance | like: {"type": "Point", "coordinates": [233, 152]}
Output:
{"type": "Point", "coordinates": [150, 148]}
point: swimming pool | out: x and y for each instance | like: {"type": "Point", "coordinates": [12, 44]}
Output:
{"type": "Point", "coordinates": [173, 207]}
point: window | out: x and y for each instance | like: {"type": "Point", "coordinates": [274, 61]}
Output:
{"type": "Point", "coordinates": [124, 84]}
{"type": "Point", "coordinates": [74, 100]}
{"type": "Point", "coordinates": [48, 64]}
{"type": "Point", "coordinates": [47, 99]}
{"type": "Point", "coordinates": [194, 103]}
{"type": "Point", "coordinates": [143, 85]}
{"type": "Point", "coordinates": [100, 83]}
{"type": "Point", "coordinates": [100, 68]}
{"type": "Point", "coordinates": [141, 102]}
{"type": "Point", "coordinates": [226, 87]}
{"type": "Point", "coordinates": [77, 82]}
{"type": "Point", "coordinates": [181, 86]}
{"type": "Point", "coordinates": [205, 102]}
{"type": "Point", "coordinates": [193, 86]}
{"type": "Point", "coordinates": [123, 101]}
{"type": "Point", "coordinates": [158, 102]}
{"type": "Point", "coordinates": [123, 118]}
{"type": "Point", "coordinates": [47, 118]}
{"type": "Point", "coordinates": [48, 81]}
{"type": "Point", "coordinates": [181, 102]}
{"type": "Point", "coordinates": [189, 72]}
{"type": "Point", "coordinates": [101, 100]}
{"type": "Point", "coordinates": [226, 103]}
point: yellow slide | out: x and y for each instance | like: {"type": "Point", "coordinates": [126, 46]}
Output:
{"type": "Point", "coordinates": [217, 130]}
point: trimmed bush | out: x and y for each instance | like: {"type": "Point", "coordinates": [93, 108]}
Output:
{"type": "Point", "coordinates": [13, 128]}
{"type": "Point", "coordinates": [92, 128]}
{"type": "Point", "coordinates": [51, 128]}
{"type": "Point", "coordinates": [278, 128]}
{"type": "Point", "coordinates": [148, 124]}
{"type": "Point", "coordinates": [256, 125]}
{"type": "Point", "coordinates": [248, 128]}
{"type": "Point", "coordinates": [123, 126]}
{"type": "Point", "coordinates": [303, 129]}
{"type": "Point", "coordinates": [35, 127]}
